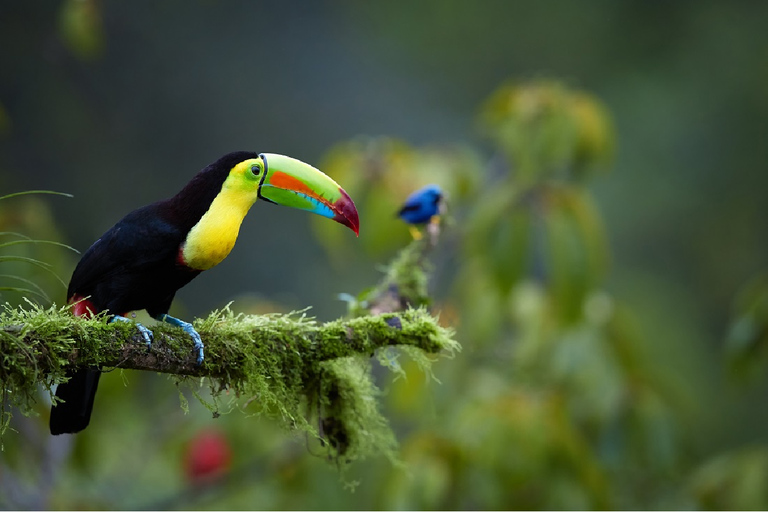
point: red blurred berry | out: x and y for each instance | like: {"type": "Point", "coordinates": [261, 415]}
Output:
{"type": "Point", "coordinates": [208, 457]}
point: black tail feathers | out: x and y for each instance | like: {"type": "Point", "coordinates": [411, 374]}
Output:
{"type": "Point", "coordinates": [78, 393]}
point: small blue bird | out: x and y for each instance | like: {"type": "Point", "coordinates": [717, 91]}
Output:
{"type": "Point", "coordinates": [423, 206]}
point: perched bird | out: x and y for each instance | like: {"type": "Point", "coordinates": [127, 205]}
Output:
{"type": "Point", "coordinates": [150, 253]}
{"type": "Point", "coordinates": [421, 207]}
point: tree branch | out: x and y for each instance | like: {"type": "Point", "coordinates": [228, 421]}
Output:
{"type": "Point", "coordinates": [312, 376]}
{"type": "Point", "coordinates": [52, 339]}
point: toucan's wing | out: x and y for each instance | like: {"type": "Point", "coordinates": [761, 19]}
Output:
{"type": "Point", "coordinates": [141, 240]}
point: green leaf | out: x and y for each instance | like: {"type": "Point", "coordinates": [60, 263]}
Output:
{"type": "Point", "coordinates": [29, 192]}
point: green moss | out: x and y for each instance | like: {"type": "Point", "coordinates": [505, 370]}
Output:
{"type": "Point", "coordinates": [288, 367]}
{"type": "Point", "coordinates": [309, 376]}
{"type": "Point", "coordinates": [404, 284]}
{"type": "Point", "coordinates": [350, 423]}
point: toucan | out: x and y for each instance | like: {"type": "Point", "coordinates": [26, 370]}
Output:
{"type": "Point", "coordinates": [141, 261]}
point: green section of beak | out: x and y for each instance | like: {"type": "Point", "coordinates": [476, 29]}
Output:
{"type": "Point", "coordinates": [291, 182]}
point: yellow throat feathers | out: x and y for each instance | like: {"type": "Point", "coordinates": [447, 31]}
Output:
{"type": "Point", "coordinates": [214, 235]}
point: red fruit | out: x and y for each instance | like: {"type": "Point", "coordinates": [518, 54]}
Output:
{"type": "Point", "coordinates": [208, 457]}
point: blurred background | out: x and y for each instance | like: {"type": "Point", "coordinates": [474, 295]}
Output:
{"type": "Point", "coordinates": [604, 260]}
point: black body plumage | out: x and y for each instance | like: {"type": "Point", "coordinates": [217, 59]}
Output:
{"type": "Point", "coordinates": [135, 266]}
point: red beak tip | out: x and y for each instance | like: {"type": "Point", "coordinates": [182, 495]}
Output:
{"type": "Point", "coordinates": [347, 213]}
{"type": "Point", "coordinates": [355, 224]}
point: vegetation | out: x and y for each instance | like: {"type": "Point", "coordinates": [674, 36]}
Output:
{"type": "Point", "coordinates": [599, 263]}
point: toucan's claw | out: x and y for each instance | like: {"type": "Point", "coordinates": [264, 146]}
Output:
{"type": "Point", "coordinates": [198, 342]}
{"type": "Point", "coordinates": [145, 333]}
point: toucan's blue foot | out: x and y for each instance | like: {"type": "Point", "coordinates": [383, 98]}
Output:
{"type": "Point", "coordinates": [189, 330]}
{"type": "Point", "coordinates": [146, 334]}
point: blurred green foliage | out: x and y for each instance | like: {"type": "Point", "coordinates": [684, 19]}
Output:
{"type": "Point", "coordinates": [735, 481]}
{"type": "Point", "coordinates": [545, 129]}
{"type": "Point", "coordinates": [33, 262]}
{"type": "Point", "coordinates": [380, 172]}
{"type": "Point", "coordinates": [747, 341]}
{"type": "Point", "coordinates": [592, 375]}
{"type": "Point", "coordinates": [81, 29]}
{"type": "Point", "coordinates": [557, 404]}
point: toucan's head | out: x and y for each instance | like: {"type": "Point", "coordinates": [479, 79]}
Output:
{"type": "Point", "coordinates": [214, 203]}
{"type": "Point", "coordinates": [283, 180]}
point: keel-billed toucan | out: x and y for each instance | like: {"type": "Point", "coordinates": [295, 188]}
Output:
{"type": "Point", "coordinates": [148, 255]}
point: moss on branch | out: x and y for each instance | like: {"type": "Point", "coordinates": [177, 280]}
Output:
{"type": "Point", "coordinates": [290, 366]}
{"type": "Point", "coordinates": [47, 340]}
{"type": "Point", "coordinates": [313, 377]}
{"type": "Point", "coordinates": [403, 286]}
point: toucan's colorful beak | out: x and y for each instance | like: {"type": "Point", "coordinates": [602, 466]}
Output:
{"type": "Point", "coordinates": [293, 183]}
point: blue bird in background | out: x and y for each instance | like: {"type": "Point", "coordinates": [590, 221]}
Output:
{"type": "Point", "coordinates": [422, 207]}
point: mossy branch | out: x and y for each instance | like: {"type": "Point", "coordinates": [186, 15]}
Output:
{"type": "Point", "coordinates": [48, 340]}
{"type": "Point", "coordinates": [404, 284]}
{"type": "Point", "coordinates": [313, 376]}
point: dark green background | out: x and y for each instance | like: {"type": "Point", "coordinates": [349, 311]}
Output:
{"type": "Point", "coordinates": [167, 87]}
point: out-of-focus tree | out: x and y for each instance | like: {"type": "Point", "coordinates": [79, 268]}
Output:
{"type": "Point", "coordinates": [33, 261]}
{"type": "Point", "coordinates": [575, 389]}
{"type": "Point", "coordinates": [556, 401]}
{"type": "Point", "coordinates": [747, 341]}
{"type": "Point", "coordinates": [380, 172]}
{"type": "Point", "coordinates": [555, 404]}
{"type": "Point", "coordinates": [81, 28]}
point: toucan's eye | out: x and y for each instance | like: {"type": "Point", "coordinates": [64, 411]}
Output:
{"type": "Point", "coordinates": [256, 169]}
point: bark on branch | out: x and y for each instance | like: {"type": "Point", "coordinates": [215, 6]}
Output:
{"type": "Point", "coordinates": [51, 340]}
{"type": "Point", "coordinates": [313, 376]}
